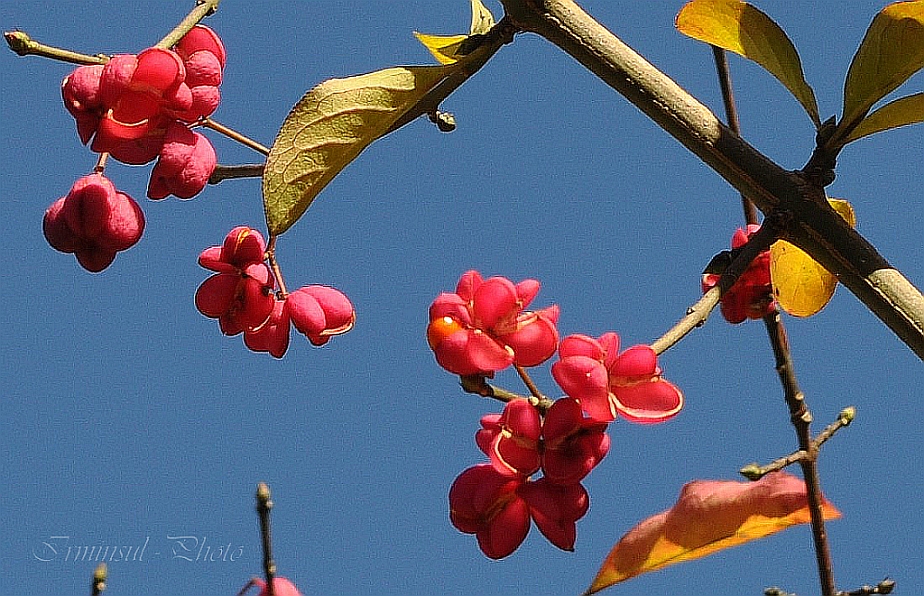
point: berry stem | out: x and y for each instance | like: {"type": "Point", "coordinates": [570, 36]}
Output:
{"type": "Point", "coordinates": [22, 44]}
{"type": "Point", "coordinates": [233, 134]}
{"type": "Point", "coordinates": [274, 265]}
{"type": "Point", "coordinates": [203, 9]}
{"type": "Point", "coordinates": [100, 166]}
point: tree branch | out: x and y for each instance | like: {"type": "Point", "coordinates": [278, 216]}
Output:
{"type": "Point", "coordinates": [813, 225]}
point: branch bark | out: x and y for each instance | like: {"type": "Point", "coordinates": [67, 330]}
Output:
{"type": "Point", "coordinates": [809, 222]}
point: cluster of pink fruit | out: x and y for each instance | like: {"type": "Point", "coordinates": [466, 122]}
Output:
{"type": "Point", "coordinates": [137, 108]}
{"type": "Point", "coordinates": [483, 327]}
{"type": "Point", "coordinates": [242, 295]}
{"type": "Point", "coordinates": [751, 297]}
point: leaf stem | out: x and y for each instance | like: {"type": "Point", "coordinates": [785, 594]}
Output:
{"type": "Point", "coordinates": [203, 9]}
{"type": "Point", "coordinates": [264, 505]}
{"type": "Point", "coordinates": [233, 135]}
{"type": "Point", "coordinates": [21, 43]}
{"type": "Point", "coordinates": [222, 172]}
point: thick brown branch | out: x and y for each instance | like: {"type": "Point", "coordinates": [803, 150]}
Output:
{"type": "Point", "coordinates": [814, 227]}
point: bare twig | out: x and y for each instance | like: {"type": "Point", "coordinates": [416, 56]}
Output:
{"type": "Point", "coordinates": [203, 9]}
{"type": "Point", "coordinates": [264, 505]}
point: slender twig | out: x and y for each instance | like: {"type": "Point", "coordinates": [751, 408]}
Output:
{"type": "Point", "coordinates": [478, 385]}
{"type": "Point", "coordinates": [21, 43]}
{"type": "Point", "coordinates": [222, 172]}
{"type": "Point", "coordinates": [699, 312]}
{"type": "Point", "coordinates": [756, 472]}
{"type": "Point", "coordinates": [884, 587]}
{"type": "Point", "coordinates": [528, 381]}
{"type": "Point", "coordinates": [233, 134]}
{"type": "Point", "coordinates": [99, 580]}
{"type": "Point", "coordinates": [731, 117]}
{"type": "Point", "coordinates": [264, 505]}
{"type": "Point", "coordinates": [800, 415]}
{"type": "Point", "coordinates": [203, 9]}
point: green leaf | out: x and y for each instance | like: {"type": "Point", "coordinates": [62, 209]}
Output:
{"type": "Point", "coordinates": [740, 28]}
{"type": "Point", "coordinates": [329, 127]}
{"type": "Point", "coordinates": [891, 51]}
{"type": "Point", "coordinates": [448, 49]}
{"type": "Point", "coordinates": [901, 112]}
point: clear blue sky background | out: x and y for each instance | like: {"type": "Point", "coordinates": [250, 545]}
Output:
{"type": "Point", "coordinates": [127, 417]}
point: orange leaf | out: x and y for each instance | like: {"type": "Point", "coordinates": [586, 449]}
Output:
{"type": "Point", "coordinates": [709, 516]}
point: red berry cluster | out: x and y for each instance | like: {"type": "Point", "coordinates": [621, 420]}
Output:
{"type": "Point", "coordinates": [483, 328]}
{"type": "Point", "coordinates": [751, 297]}
{"type": "Point", "coordinates": [137, 108]}
{"type": "Point", "coordinates": [94, 221]}
{"type": "Point", "coordinates": [242, 295]}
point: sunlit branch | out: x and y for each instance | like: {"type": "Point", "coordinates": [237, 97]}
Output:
{"type": "Point", "coordinates": [22, 44]}
{"type": "Point", "coordinates": [699, 312]}
{"type": "Point", "coordinates": [814, 226]}
{"type": "Point", "coordinates": [203, 9]}
{"type": "Point", "coordinates": [756, 472]}
{"type": "Point", "coordinates": [478, 385]}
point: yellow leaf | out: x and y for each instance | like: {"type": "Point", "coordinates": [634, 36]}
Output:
{"type": "Point", "coordinates": [801, 286]}
{"type": "Point", "coordinates": [739, 27]}
{"type": "Point", "coordinates": [448, 49]}
{"type": "Point", "coordinates": [891, 51]}
{"type": "Point", "coordinates": [901, 112]}
{"type": "Point", "coordinates": [329, 127]}
{"type": "Point", "coordinates": [445, 48]}
{"type": "Point", "coordinates": [482, 19]}
{"type": "Point", "coordinates": [709, 516]}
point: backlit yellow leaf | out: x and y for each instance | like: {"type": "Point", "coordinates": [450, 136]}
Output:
{"type": "Point", "coordinates": [739, 27]}
{"type": "Point", "coordinates": [445, 48]}
{"type": "Point", "coordinates": [901, 112]}
{"type": "Point", "coordinates": [801, 286]}
{"type": "Point", "coordinates": [709, 516]}
{"type": "Point", "coordinates": [891, 51]}
{"type": "Point", "coordinates": [482, 19]}
{"type": "Point", "coordinates": [448, 49]}
{"type": "Point", "coordinates": [329, 127]}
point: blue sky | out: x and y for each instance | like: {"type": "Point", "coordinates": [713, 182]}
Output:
{"type": "Point", "coordinates": [128, 418]}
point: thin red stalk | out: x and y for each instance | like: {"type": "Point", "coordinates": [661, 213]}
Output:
{"type": "Point", "coordinates": [799, 413]}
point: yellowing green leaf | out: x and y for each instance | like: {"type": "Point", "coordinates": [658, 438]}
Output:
{"type": "Point", "coordinates": [801, 286]}
{"type": "Point", "coordinates": [891, 51]}
{"type": "Point", "coordinates": [445, 48]}
{"type": "Point", "coordinates": [739, 27]}
{"type": "Point", "coordinates": [448, 49]}
{"type": "Point", "coordinates": [482, 19]}
{"type": "Point", "coordinates": [901, 112]}
{"type": "Point", "coordinates": [329, 127]}
{"type": "Point", "coordinates": [709, 516]}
